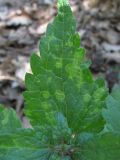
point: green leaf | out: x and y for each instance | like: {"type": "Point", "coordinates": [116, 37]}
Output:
{"type": "Point", "coordinates": [105, 147]}
{"type": "Point", "coordinates": [17, 143]}
{"type": "Point", "coordinates": [116, 93]}
{"type": "Point", "coordinates": [9, 121]}
{"type": "Point", "coordinates": [39, 143]}
{"type": "Point", "coordinates": [61, 80]}
{"type": "Point", "coordinates": [112, 113]}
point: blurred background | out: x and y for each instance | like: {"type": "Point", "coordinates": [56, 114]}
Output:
{"type": "Point", "coordinates": [23, 22]}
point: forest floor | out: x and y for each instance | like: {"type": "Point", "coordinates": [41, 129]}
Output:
{"type": "Point", "coordinates": [22, 27]}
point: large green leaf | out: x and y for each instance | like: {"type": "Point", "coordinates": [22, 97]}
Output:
{"type": "Point", "coordinates": [61, 80]}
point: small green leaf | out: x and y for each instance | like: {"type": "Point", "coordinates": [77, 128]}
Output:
{"type": "Point", "coordinates": [112, 113]}
{"type": "Point", "coordinates": [9, 121]}
{"type": "Point", "coordinates": [105, 147]}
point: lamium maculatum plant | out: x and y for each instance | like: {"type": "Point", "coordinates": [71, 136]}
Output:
{"type": "Point", "coordinates": [73, 117]}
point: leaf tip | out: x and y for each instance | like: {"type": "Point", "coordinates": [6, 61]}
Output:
{"type": "Point", "coordinates": [62, 3]}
